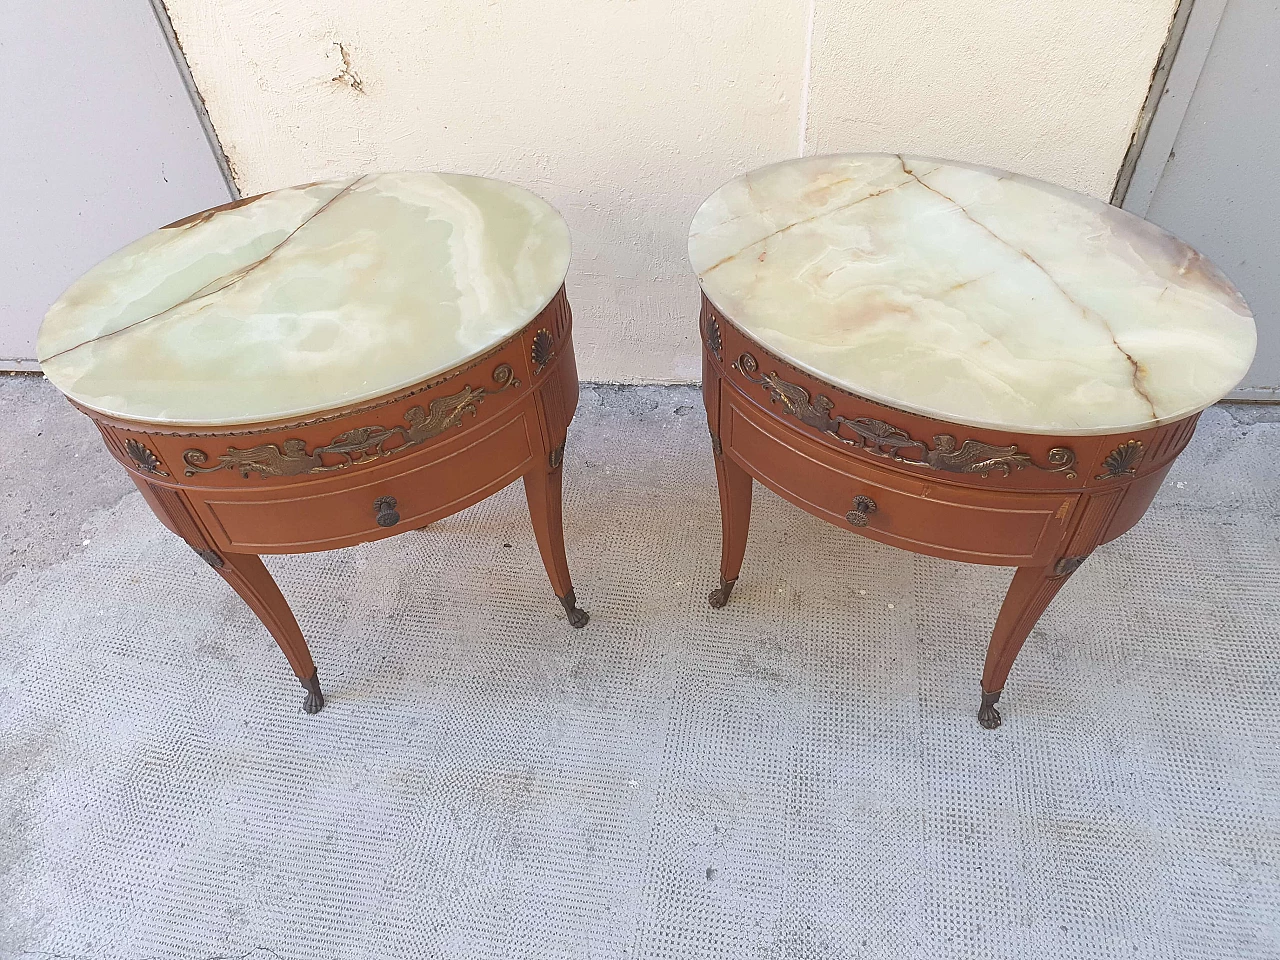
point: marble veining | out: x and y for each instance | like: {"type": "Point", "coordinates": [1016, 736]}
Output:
{"type": "Point", "coordinates": [971, 294]}
{"type": "Point", "coordinates": [305, 299]}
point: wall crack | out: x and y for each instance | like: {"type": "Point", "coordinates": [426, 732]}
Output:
{"type": "Point", "coordinates": [347, 75]}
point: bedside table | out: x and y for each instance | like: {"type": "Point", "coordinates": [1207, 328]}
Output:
{"type": "Point", "coordinates": [327, 365]}
{"type": "Point", "coordinates": [954, 360]}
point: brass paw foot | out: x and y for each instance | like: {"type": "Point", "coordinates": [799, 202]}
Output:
{"type": "Point", "coordinates": [313, 702]}
{"type": "Point", "coordinates": [720, 595]}
{"type": "Point", "coordinates": [988, 715]}
{"type": "Point", "coordinates": [577, 616]}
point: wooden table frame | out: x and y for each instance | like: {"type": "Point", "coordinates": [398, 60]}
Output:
{"type": "Point", "coordinates": [1036, 502]}
{"type": "Point", "coordinates": [366, 471]}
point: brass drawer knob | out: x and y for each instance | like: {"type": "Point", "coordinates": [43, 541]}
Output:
{"type": "Point", "coordinates": [863, 507]}
{"type": "Point", "coordinates": [384, 511]}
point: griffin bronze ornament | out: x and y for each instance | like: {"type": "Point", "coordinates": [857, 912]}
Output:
{"type": "Point", "coordinates": [1123, 461]}
{"type": "Point", "coordinates": [354, 447]}
{"type": "Point", "coordinates": [882, 439]}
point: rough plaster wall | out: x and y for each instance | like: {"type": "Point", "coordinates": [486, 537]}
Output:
{"type": "Point", "coordinates": [1049, 89]}
{"type": "Point", "coordinates": [625, 114]}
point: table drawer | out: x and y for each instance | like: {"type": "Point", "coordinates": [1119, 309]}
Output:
{"type": "Point", "coordinates": [354, 509]}
{"type": "Point", "coordinates": [945, 520]}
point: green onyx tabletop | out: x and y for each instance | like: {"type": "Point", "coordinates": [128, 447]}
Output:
{"type": "Point", "coordinates": [971, 295]}
{"type": "Point", "coordinates": [305, 299]}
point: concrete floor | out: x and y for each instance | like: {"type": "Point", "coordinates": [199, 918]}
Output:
{"type": "Point", "coordinates": [799, 775]}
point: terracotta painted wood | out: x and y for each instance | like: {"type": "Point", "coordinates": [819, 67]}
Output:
{"type": "Point", "coordinates": [1036, 502]}
{"type": "Point", "coordinates": [366, 471]}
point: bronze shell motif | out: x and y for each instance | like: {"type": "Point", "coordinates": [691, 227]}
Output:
{"type": "Point", "coordinates": [542, 350]}
{"type": "Point", "coordinates": [1123, 461]}
{"type": "Point", "coordinates": [144, 458]}
{"type": "Point", "coordinates": [713, 337]}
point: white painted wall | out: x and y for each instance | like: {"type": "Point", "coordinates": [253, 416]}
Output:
{"type": "Point", "coordinates": [626, 113]}
{"type": "Point", "coordinates": [1216, 186]}
{"type": "Point", "coordinates": [101, 145]}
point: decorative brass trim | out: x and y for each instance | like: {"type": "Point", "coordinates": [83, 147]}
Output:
{"type": "Point", "coordinates": [355, 446]}
{"type": "Point", "coordinates": [714, 343]}
{"type": "Point", "coordinates": [1067, 566]}
{"type": "Point", "coordinates": [542, 352]}
{"type": "Point", "coordinates": [556, 457]}
{"type": "Point", "coordinates": [882, 439]}
{"type": "Point", "coordinates": [1123, 461]}
{"type": "Point", "coordinates": [504, 376]}
{"type": "Point", "coordinates": [144, 458]}
{"type": "Point", "coordinates": [863, 507]}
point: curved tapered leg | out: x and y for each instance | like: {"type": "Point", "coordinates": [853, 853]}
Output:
{"type": "Point", "coordinates": [735, 518]}
{"type": "Point", "coordinates": [249, 578]}
{"type": "Point", "coordinates": [1029, 595]}
{"type": "Point", "coordinates": [542, 488]}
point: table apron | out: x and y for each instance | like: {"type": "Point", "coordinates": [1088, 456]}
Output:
{"type": "Point", "coordinates": [939, 519]}
{"type": "Point", "coordinates": [325, 516]}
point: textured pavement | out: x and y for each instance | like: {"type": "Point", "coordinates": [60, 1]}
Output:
{"type": "Point", "coordinates": [799, 775]}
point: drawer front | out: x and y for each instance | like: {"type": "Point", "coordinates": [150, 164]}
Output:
{"type": "Point", "coordinates": [354, 509]}
{"type": "Point", "coordinates": [944, 520]}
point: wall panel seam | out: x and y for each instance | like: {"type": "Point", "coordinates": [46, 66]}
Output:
{"type": "Point", "coordinates": [1155, 91]}
{"type": "Point", "coordinates": [193, 92]}
{"type": "Point", "coordinates": [806, 77]}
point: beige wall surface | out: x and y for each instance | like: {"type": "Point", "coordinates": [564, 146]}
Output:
{"type": "Point", "coordinates": [1046, 88]}
{"type": "Point", "coordinates": [625, 114]}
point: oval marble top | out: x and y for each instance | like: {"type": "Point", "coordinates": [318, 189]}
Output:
{"type": "Point", "coordinates": [305, 299]}
{"type": "Point", "coordinates": [970, 294]}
